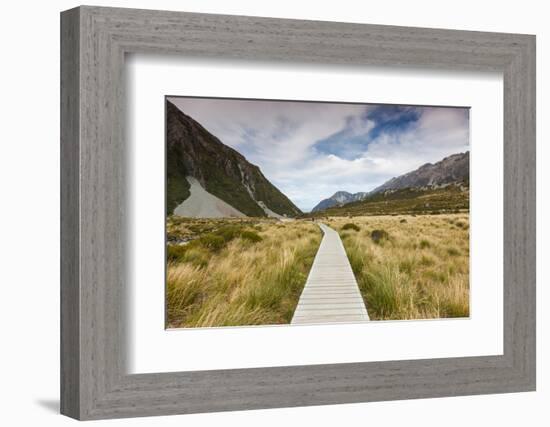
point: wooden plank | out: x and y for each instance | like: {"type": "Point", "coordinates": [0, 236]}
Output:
{"type": "Point", "coordinates": [331, 293]}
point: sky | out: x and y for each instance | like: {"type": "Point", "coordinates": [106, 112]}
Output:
{"type": "Point", "coordinates": [310, 150]}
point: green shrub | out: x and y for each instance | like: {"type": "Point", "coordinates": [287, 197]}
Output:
{"type": "Point", "coordinates": [251, 236]}
{"type": "Point", "coordinates": [426, 261]}
{"type": "Point", "coordinates": [453, 309]}
{"type": "Point", "coordinates": [406, 266]}
{"type": "Point", "coordinates": [212, 241]}
{"type": "Point", "coordinates": [436, 276]}
{"type": "Point", "coordinates": [229, 232]}
{"type": "Point", "coordinates": [176, 253]}
{"type": "Point", "coordinates": [356, 261]}
{"type": "Point", "coordinates": [381, 292]}
{"type": "Point", "coordinates": [424, 244]}
{"type": "Point", "coordinates": [378, 235]}
{"type": "Point", "coordinates": [453, 251]}
{"type": "Point", "coordinates": [351, 226]}
{"type": "Point", "coordinates": [197, 256]}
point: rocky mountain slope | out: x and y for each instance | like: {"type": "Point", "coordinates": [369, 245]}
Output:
{"type": "Point", "coordinates": [453, 198]}
{"type": "Point", "coordinates": [194, 152]}
{"type": "Point", "coordinates": [454, 169]}
{"type": "Point", "coordinates": [337, 199]}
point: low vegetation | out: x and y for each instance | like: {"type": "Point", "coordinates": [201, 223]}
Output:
{"type": "Point", "coordinates": [412, 269]}
{"type": "Point", "coordinates": [251, 271]}
{"type": "Point", "coordinates": [235, 272]}
{"type": "Point", "coordinates": [378, 235]}
{"type": "Point", "coordinates": [407, 201]}
{"type": "Point", "coordinates": [351, 226]}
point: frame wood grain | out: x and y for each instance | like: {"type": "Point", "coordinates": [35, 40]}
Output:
{"type": "Point", "coordinates": [94, 270]}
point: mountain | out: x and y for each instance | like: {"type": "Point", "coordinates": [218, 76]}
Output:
{"type": "Point", "coordinates": [452, 198]}
{"type": "Point", "coordinates": [453, 169]}
{"type": "Point", "coordinates": [338, 199]}
{"type": "Point", "coordinates": [196, 160]}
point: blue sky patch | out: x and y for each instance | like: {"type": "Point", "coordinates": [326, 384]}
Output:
{"type": "Point", "coordinates": [385, 119]}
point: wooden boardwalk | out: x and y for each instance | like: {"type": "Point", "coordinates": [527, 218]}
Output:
{"type": "Point", "coordinates": [331, 293]}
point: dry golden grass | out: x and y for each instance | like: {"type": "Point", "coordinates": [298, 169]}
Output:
{"type": "Point", "coordinates": [419, 270]}
{"type": "Point", "coordinates": [253, 277]}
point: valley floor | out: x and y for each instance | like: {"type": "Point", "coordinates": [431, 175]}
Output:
{"type": "Point", "coordinates": [251, 271]}
{"type": "Point", "coordinates": [236, 272]}
{"type": "Point", "coordinates": [408, 266]}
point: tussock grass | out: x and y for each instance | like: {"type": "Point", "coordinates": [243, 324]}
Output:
{"type": "Point", "coordinates": [420, 272]}
{"type": "Point", "coordinates": [424, 244]}
{"type": "Point", "coordinates": [351, 226]}
{"type": "Point", "coordinates": [378, 236]}
{"type": "Point", "coordinates": [254, 277]}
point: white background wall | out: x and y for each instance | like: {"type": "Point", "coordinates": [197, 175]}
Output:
{"type": "Point", "coordinates": [29, 224]}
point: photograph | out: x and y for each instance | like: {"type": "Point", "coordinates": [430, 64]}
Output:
{"type": "Point", "coordinates": [287, 212]}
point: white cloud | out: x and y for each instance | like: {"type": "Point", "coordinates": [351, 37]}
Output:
{"type": "Point", "coordinates": [279, 137]}
{"type": "Point", "coordinates": [280, 132]}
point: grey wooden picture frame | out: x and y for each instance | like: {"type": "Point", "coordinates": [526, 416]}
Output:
{"type": "Point", "coordinates": [94, 269]}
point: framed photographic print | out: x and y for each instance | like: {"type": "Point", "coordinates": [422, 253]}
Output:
{"type": "Point", "coordinates": [261, 213]}
{"type": "Point", "coordinates": [279, 241]}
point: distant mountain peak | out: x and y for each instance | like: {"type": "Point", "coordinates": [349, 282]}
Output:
{"type": "Point", "coordinates": [453, 169]}
{"type": "Point", "coordinates": [338, 199]}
